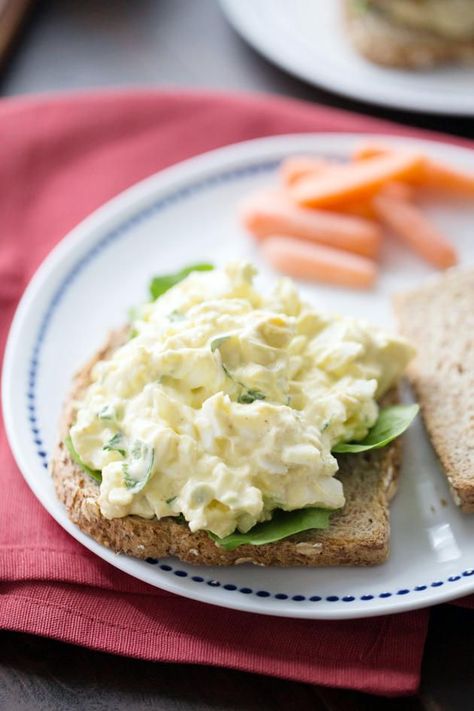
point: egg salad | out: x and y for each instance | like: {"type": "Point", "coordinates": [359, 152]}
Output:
{"type": "Point", "coordinates": [225, 403]}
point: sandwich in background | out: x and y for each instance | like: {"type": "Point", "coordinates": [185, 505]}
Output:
{"type": "Point", "coordinates": [412, 34]}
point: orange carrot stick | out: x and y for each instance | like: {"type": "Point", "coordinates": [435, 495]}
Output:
{"type": "Point", "coordinates": [357, 208]}
{"type": "Point", "coordinates": [445, 178]}
{"type": "Point", "coordinates": [353, 181]}
{"type": "Point", "coordinates": [433, 174]}
{"type": "Point", "coordinates": [273, 213]}
{"type": "Point", "coordinates": [296, 167]}
{"type": "Point", "coordinates": [408, 222]}
{"type": "Point", "coordinates": [371, 150]}
{"type": "Point", "coordinates": [399, 190]}
{"type": "Point", "coordinates": [364, 208]}
{"type": "Point", "coordinates": [317, 262]}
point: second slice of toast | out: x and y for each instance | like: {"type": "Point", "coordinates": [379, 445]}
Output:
{"type": "Point", "coordinates": [438, 319]}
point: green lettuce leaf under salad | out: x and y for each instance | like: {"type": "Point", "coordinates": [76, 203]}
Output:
{"type": "Point", "coordinates": [391, 423]}
{"type": "Point", "coordinates": [281, 525]}
{"type": "Point", "coordinates": [159, 285]}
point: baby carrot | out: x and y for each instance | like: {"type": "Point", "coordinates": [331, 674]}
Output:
{"type": "Point", "coordinates": [398, 190]}
{"type": "Point", "coordinates": [410, 224]}
{"type": "Point", "coordinates": [371, 149]}
{"type": "Point", "coordinates": [447, 179]}
{"type": "Point", "coordinates": [296, 167]}
{"type": "Point", "coordinates": [274, 213]}
{"type": "Point", "coordinates": [364, 208]}
{"type": "Point", "coordinates": [357, 208]}
{"type": "Point", "coordinates": [319, 263]}
{"type": "Point", "coordinates": [433, 174]}
{"type": "Point", "coordinates": [353, 181]}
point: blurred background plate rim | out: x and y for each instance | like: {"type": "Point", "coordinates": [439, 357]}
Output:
{"type": "Point", "coordinates": [254, 20]}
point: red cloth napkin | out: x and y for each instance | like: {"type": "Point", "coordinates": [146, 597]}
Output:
{"type": "Point", "coordinates": [60, 158]}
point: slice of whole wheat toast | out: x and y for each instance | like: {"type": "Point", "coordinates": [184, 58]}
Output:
{"type": "Point", "coordinates": [359, 534]}
{"type": "Point", "coordinates": [438, 319]}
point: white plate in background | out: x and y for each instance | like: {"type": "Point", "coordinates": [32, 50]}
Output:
{"type": "Point", "coordinates": [187, 214]}
{"type": "Point", "coordinates": [308, 39]}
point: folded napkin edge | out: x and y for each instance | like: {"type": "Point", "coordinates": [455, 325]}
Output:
{"type": "Point", "coordinates": [23, 613]}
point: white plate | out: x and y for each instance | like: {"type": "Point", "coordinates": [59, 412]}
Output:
{"type": "Point", "coordinates": [307, 38]}
{"type": "Point", "coordinates": [183, 215]}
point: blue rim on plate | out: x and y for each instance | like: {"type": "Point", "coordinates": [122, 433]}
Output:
{"type": "Point", "coordinates": [212, 582]}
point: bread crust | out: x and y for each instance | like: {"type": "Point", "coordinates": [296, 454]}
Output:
{"type": "Point", "coordinates": [358, 534]}
{"type": "Point", "coordinates": [384, 42]}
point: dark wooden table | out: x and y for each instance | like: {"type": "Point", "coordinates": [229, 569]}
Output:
{"type": "Point", "coordinates": [73, 44]}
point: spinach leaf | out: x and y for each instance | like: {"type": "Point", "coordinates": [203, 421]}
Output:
{"type": "Point", "coordinates": [107, 413]}
{"type": "Point", "coordinates": [247, 395]}
{"type": "Point", "coordinates": [134, 313]}
{"type": "Point", "coordinates": [217, 342]}
{"type": "Point", "coordinates": [141, 457]}
{"type": "Point", "coordinates": [115, 444]}
{"type": "Point", "coordinates": [282, 525]}
{"type": "Point", "coordinates": [250, 396]}
{"type": "Point", "coordinates": [160, 284]}
{"type": "Point", "coordinates": [228, 373]}
{"type": "Point", "coordinates": [176, 315]}
{"type": "Point", "coordinates": [77, 460]}
{"type": "Point", "coordinates": [392, 422]}
{"type": "Point", "coordinates": [111, 413]}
